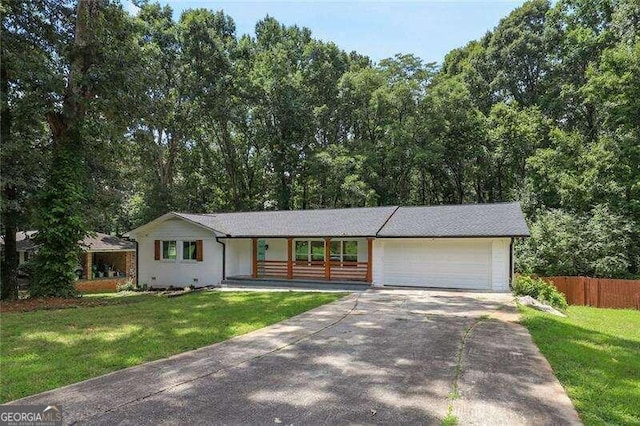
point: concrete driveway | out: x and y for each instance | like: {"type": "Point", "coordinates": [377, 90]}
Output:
{"type": "Point", "coordinates": [388, 356]}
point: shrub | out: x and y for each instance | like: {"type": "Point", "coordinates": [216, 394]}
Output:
{"type": "Point", "coordinates": [540, 289]}
{"type": "Point", "coordinates": [598, 244]}
{"type": "Point", "coordinates": [130, 285]}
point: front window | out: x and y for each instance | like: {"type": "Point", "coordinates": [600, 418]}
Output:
{"type": "Point", "coordinates": [340, 251]}
{"type": "Point", "coordinates": [310, 251]}
{"type": "Point", "coordinates": [317, 250]}
{"type": "Point", "coordinates": [169, 250]}
{"type": "Point", "coordinates": [350, 251]}
{"type": "Point", "coordinates": [189, 250]}
{"type": "Point", "coordinates": [336, 251]}
{"type": "Point", "coordinates": [302, 250]}
{"type": "Point", "coordinates": [344, 251]}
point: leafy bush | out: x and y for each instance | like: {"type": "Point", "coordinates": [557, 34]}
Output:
{"type": "Point", "coordinates": [600, 244]}
{"type": "Point", "coordinates": [130, 285]}
{"type": "Point", "coordinates": [540, 289]}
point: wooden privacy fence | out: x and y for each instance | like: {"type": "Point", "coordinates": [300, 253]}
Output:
{"type": "Point", "coordinates": [599, 292]}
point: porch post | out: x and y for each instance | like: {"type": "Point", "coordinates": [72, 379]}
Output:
{"type": "Point", "coordinates": [369, 276]}
{"type": "Point", "coordinates": [88, 265]}
{"type": "Point", "coordinates": [254, 258]}
{"type": "Point", "coordinates": [327, 258]}
{"type": "Point", "coordinates": [289, 258]}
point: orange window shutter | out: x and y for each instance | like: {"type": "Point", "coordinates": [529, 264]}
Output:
{"type": "Point", "coordinates": [199, 250]}
{"type": "Point", "coordinates": [157, 249]}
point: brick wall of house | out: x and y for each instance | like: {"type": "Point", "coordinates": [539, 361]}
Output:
{"type": "Point", "coordinates": [102, 285]}
{"type": "Point", "coordinates": [117, 260]}
{"type": "Point", "coordinates": [130, 265]}
{"type": "Point", "coordinates": [123, 261]}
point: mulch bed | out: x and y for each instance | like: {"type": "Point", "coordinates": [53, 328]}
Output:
{"type": "Point", "coordinates": [26, 305]}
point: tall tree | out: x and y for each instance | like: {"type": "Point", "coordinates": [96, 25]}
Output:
{"type": "Point", "coordinates": [518, 50]}
{"type": "Point", "coordinates": [92, 64]}
{"type": "Point", "coordinates": [62, 222]}
{"type": "Point", "coordinates": [31, 33]}
{"type": "Point", "coordinates": [283, 113]}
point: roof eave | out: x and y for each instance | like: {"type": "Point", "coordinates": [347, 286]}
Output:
{"type": "Point", "coordinates": [295, 236]}
{"type": "Point", "coordinates": [456, 236]}
{"type": "Point", "coordinates": [150, 225]}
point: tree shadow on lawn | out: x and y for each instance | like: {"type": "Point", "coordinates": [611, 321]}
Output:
{"type": "Point", "coordinates": [48, 349]}
{"type": "Point", "coordinates": [366, 368]}
{"type": "Point", "coordinates": [601, 372]}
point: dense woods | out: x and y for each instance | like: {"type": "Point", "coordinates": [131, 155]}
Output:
{"type": "Point", "coordinates": [110, 120]}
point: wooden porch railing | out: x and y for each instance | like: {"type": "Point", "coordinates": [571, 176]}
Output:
{"type": "Point", "coordinates": [272, 268]}
{"type": "Point", "coordinates": [349, 270]}
{"type": "Point", "coordinates": [342, 271]}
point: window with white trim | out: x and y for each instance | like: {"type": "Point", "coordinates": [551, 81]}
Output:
{"type": "Point", "coordinates": [189, 250]}
{"type": "Point", "coordinates": [309, 250]}
{"type": "Point", "coordinates": [339, 250]}
{"type": "Point", "coordinates": [344, 251]}
{"type": "Point", "coordinates": [302, 250]}
{"type": "Point", "coordinates": [169, 250]}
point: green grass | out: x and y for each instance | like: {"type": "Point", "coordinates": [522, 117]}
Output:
{"type": "Point", "coordinates": [47, 349]}
{"type": "Point", "coordinates": [595, 353]}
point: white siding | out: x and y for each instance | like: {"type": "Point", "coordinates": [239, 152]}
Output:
{"type": "Point", "coordinates": [378, 262]}
{"type": "Point", "coordinates": [471, 263]}
{"type": "Point", "coordinates": [179, 273]}
{"type": "Point", "coordinates": [500, 264]}
{"type": "Point", "coordinates": [362, 248]}
{"type": "Point", "coordinates": [277, 249]}
{"type": "Point", "coordinates": [238, 256]}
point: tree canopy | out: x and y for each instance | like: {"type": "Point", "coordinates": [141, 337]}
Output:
{"type": "Point", "coordinates": [110, 120]}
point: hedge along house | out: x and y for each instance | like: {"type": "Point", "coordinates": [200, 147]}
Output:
{"type": "Point", "coordinates": [106, 260]}
{"type": "Point", "coordinates": [457, 246]}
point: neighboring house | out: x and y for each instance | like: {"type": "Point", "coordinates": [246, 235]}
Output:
{"type": "Point", "coordinates": [456, 246]}
{"type": "Point", "coordinates": [106, 258]}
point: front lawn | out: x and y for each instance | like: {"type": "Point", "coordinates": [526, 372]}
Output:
{"type": "Point", "coordinates": [47, 349]}
{"type": "Point", "coordinates": [595, 353]}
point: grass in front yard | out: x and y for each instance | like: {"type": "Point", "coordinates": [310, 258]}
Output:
{"type": "Point", "coordinates": [595, 353]}
{"type": "Point", "coordinates": [47, 349]}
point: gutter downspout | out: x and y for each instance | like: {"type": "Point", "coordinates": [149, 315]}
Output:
{"type": "Point", "coordinates": [137, 264]}
{"type": "Point", "coordinates": [511, 264]}
{"type": "Point", "coordinates": [224, 258]}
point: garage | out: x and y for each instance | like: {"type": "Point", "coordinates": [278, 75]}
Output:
{"type": "Point", "coordinates": [438, 263]}
{"type": "Point", "coordinates": [466, 247]}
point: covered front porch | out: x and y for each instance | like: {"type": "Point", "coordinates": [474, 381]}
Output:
{"type": "Point", "coordinates": [319, 259]}
{"type": "Point", "coordinates": [107, 262]}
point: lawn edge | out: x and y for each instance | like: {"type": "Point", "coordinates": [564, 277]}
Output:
{"type": "Point", "coordinates": [148, 364]}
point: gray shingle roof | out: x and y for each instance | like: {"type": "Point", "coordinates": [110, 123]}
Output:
{"type": "Point", "coordinates": [99, 242]}
{"type": "Point", "coordinates": [465, 220]}
{"type": "Point", "coordinates": [104, 242]}
{"type": "Point", "coordinates": [354, 222]}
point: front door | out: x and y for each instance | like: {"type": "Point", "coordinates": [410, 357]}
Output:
{"type": "Point", "coordinates": [261, 250]}
{"type": "Point", "coordinates": [260, 256]}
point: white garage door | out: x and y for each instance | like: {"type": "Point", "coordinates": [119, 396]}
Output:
{"type": "Point", "coordinates": [438, 263]}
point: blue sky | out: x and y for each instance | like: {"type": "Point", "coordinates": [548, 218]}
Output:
{"type": "Point", "coordinates": [379, 29]}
